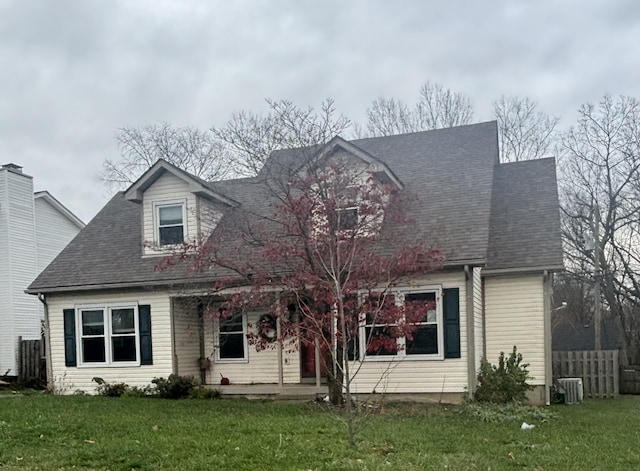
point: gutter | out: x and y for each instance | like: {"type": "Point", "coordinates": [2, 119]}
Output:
{"type": "Point", "coordinates": [103, 286]}
{"type": "Point", "coordinates": [510, 271]}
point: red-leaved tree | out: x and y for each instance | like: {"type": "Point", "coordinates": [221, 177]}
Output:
{"type": "Point", "coordinates": [323, 243]}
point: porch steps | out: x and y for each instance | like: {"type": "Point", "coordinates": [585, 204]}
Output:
{"type": "Point", "coordinates": [298, 392]}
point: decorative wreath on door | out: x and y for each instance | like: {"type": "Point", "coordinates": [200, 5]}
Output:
{"type": "Point", "coordinates": [267, 328]}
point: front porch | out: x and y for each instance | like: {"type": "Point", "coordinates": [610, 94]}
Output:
{"type": "Point", "coordinates": [199, 350]}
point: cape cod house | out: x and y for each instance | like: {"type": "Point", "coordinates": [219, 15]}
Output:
{"type": "Point", "coordinates": [34, 228]}
{"type": "Point", "coordinates": [111, 314]}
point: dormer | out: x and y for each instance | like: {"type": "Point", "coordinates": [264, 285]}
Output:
{"type": "Point", "coordinates": [349, 156]}
{"type": "Point", "coordinates": [177, 207]}
{"type": "Point", "coordinates": [352, 189]}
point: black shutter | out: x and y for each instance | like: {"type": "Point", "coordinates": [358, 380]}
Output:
{"type": "Point", "coordinates": [451, 307]}
{"type": "Point", "coordinates": [70, 337]}
{"type": "Point", "coordinates": [146, 353]}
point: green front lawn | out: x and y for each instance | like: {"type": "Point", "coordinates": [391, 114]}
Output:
{"type": "Point", "coordinates": [79, 432]}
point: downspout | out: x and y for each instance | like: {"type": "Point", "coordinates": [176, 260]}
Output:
{"type": "Point", "coordinates": [471, 345]}
{"type": "Point", "coordinates": [174, 353]}
{"type": "Point", "coordinates": [279, 346]}
{"type": "Point", "coordinates": [47, 342]}
{"type": "Point", "coordinates": [201, 361]}
{"type": "Point", "coordinates": [548, 372]}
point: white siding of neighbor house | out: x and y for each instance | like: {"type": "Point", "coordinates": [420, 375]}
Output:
{"type": "Point", "coordinates": [69, 379]}
{"type": "Point", "coordinates": [53, 232]}
{"type": "Point", "coordinates": [6, 311]}
{"type": "Point", "coordinates": [514, 313]}
{"type": "Point", "coordinates": [478, 315]}
{"type": "Point", "coordinates": [167, 188]}
{"type": "Point", "coordinates": [421, 376]}
{"type": "Point", "coordinates": [261, 367]}
{"type": "Point", "coordinates": [18, 311]}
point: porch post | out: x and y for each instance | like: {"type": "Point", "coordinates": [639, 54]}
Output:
{"type": "Point", "coordinates": [317, 361]}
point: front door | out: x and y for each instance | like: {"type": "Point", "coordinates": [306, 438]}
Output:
{"type": "Point", "coordinates": [308, 360]}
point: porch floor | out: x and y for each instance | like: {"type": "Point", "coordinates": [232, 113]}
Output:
{"type": "Point", "coordinates": [272, 391]}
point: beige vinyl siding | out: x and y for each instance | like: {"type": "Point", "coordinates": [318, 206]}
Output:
{"type": "Point", "coordinates": [167, 188]}
{"type": "Point", "coordinates": [261, 367]}
{"type": "Point", "coordinates": [420, 376]}
{"type": "Point", "coordinates": [186, 337]}
{"type": "Point", "coordinates": [208, 216]}
{"type": "Point", "coordinates": [69, 379]}
{"type": "Point", "coordinates": [478, 315]}
{"type": "Point", "coordinates": [514, 313]}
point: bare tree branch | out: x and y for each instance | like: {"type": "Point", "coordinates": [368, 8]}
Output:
{"type": "Point", "coordinates": [188, 148]}
{"type": "Point", "coordinates": [600, 173]}
{"type": "Point", "coordinates": [524, 133]}
{"type": "Point", "coordinates": [438, 107]}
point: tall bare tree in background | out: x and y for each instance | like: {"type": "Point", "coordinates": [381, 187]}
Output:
{"type": "Point", "coordinates": [248, 139]}
{"type": "Point", "coordinates": [524, 132]}
{"type": "Point", "coordinates": [438, 107]}
{"type": "Point", "coordinates": [193, 150]}
{"type": "Point", "coordinates": [239, 148]}
{"type": "Point", "coordinates": [600, 191]}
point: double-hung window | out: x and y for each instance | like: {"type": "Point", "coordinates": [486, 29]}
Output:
{"type": "Point", "coordinates": [170, 223]}
{"type": "Point", "coordinates": [424, 336]}
{"type": "Point", "coordinates": [347, 219]}
{"type": "Point", "coordinates": [415, 333]}
{"type": "Point", "coordinates": [108, 335]}
{"type": "Point", "coordinates": [231, 339]}
{"type": "Point", "coordinates": [379, 329]}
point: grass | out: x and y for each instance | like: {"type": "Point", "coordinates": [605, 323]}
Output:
{"type": "Point", "coordinates": [101, 433]}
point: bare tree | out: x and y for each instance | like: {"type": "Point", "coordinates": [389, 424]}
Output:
{"type": "Point", "coordinates": [197, 152]}
{"type": "Point", "coordinates": [388, 116]}
{"type": "Point", "coordinates": [248, 139]}
{"type": "Point", "coordinates": [438, 107]}
{"type": "Point", "coordinates": [239, 148]}
{"type": "Point", "coordinates": [524, 132]}
{"type": "Point", "coordinates": [600, 183]}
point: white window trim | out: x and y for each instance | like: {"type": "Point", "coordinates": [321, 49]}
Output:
{"type": "Point", "coordinates": [216, 342]}
{"type": "Point", "coordinates": [156, 221]}
{"type": "Point", "coordinates": [106, 309]}
{"type": "Point", "coordinates": [399, 295]}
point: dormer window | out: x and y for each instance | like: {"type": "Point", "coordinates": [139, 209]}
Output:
{"type": "Point", "coordinates": [347, 219]}
{"type": "Point", "coordinates": [170, 219]}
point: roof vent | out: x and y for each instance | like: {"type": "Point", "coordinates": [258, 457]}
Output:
{"type": "Point", "coordinates": [14, 167]}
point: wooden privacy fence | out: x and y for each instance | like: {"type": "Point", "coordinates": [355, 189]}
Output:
{"type": "Point", "coordinates": [30, 361]}
{"type": "Point", "coordinates": [599, 370]}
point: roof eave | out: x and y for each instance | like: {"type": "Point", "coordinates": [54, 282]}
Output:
{"type": "Point", "coordinates": [136, 190]}
{"type": "Point", "coordinates": [62, 209]}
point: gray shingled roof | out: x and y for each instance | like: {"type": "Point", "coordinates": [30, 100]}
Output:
{"type": "Point", "coordinates": [525, 217]}
{"type": "Point", "coordinates": [448, 174]}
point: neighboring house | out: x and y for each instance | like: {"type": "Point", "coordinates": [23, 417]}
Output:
{"type": "Point", "coordinates": [34, 228]}
{"type": "Point", "coordinates": [112, 315]}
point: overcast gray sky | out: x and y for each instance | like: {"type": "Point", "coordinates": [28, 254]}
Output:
{"type": "Point", "coordinates": [73, 72]}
